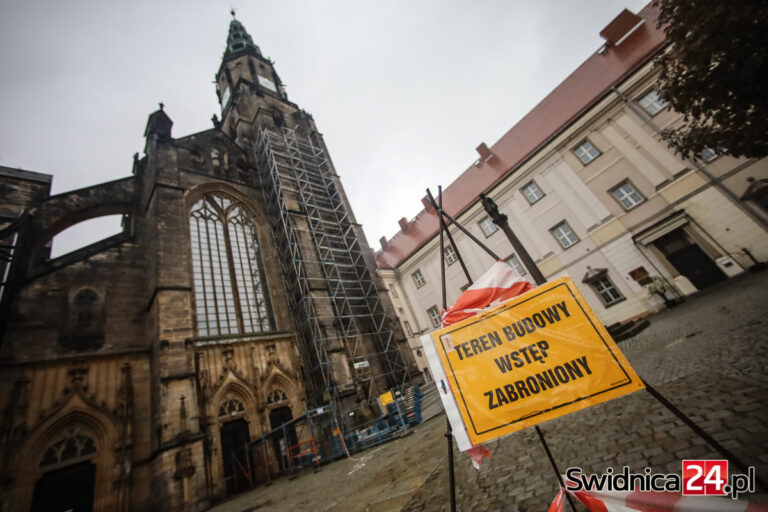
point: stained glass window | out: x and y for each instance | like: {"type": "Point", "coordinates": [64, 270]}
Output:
{"type": "Point", "coordinates": [229, 287]}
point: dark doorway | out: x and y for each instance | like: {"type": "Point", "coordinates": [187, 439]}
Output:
{"type": "Point", "coordinates": [235, 454]}
{"type": "Point", "coordinates": [65, 489]}
{"type": "Point", "coordinates": [283, 439]}
{"type": "Point", "coordinates": [689, 259]}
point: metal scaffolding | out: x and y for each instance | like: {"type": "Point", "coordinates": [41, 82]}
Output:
{"type": "Point", "coordinates": [348, 345]}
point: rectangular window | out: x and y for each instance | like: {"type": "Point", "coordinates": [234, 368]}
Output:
{"type": "Point", "coordinates": [408, 330]}
{"type": "Point", "coordinates": [606, 291]}
{"type": "Point", "coordinates": [450, 255]}
{"type": "Point", "coordinates": [708, 154]}
{"type": "Point", "coordinates": [393, 291]}
{"type": "Point", "coordinates": [487, 225]}
{"type": "Point", "coordinates": [564, 235]}
{"type": "Point", "coordinates": [627, 195]}
{"type": "Point", "coordinates": [652, 102]}
{"type": "Point", "coordinates": [586, 152]}
{"type": "Point", "coordinates": [532, 192]}
{"type": "Point", "coordinates": [434, 316]}
{"type": "Point", "coordinates": [418, 278]}
{"type": "Point", "coordinates": [513, 262]}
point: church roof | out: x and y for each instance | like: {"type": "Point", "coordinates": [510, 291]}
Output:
{"type": "Point", "coordinates": [238, 40]}
{"type": "Point", "coordinates": [589, 83]}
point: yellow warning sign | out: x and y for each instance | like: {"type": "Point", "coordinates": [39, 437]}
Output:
{"type": "Point", "coordinates": [386, 398]}
{"type": "Point", "coordinates": [536, 357]}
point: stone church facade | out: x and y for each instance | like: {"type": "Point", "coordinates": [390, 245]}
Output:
{"type": "Point", "coordinates": [130, 368]}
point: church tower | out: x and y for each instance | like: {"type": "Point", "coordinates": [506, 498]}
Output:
{"type": "Point", "coordinates": [351, 346]}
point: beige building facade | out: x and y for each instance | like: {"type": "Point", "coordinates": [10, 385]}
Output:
{"type": "Point", "coordinates": [592, 191]}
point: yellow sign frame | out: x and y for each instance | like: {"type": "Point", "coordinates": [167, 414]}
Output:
{"type": "Point", "coordinates": [560, 360]}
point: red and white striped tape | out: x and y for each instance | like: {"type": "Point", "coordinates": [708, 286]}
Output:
{"type": "Point", "coordinates": [498, 284]}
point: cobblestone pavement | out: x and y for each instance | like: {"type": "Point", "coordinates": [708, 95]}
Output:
{"type": "Point", "coordinates": [707, 356]}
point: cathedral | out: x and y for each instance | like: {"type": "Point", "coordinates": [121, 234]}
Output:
{"type": "Point", "coordinates": [240, 294]}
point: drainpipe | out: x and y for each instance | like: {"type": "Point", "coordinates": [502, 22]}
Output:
{"type": "Point", "coordinates": [712, 179]}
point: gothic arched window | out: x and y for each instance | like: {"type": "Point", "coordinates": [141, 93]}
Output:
{"type": "Point", "coordinates": [276, 396]}
{"type": "Point", "coordinates": [230, 295]}
{"type": "Point", "coordinates": [75, 446]}
{"type": "Point", "coordinates": [231, 407]}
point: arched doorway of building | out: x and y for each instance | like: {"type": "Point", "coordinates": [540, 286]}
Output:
{"type": "Point", "coordinates": [235, 455]}
{"type": "Point", "coordinates": [69, 475]}
{"type": "Point", "coordinates": [284, 438]}
{"type": "Point", "coordinates": [689, 259]}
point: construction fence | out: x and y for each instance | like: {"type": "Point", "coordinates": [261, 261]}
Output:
{"type": "Point", "coordinates": [315, 438]}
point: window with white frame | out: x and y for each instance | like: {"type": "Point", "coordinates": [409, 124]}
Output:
{"type": "Point", "coordinates": [532, 192]}
{"type": "Point", "coordinates": [450, 255]}
{"type": "Point", "coordinates": [230, 292]}
{"type": "Point", "coordinates": [708, 154]}
{"type": "Point", "coordinates": [487, 225]}
{"type": "Point", "coordinates": [408, 330]}
{"type": "Point", "coordinates": [606, 291]}
{"type": "Point", "coordinates": [434, 316]}
{"type": "Point", "coordinates": [418, 278]}
{"type": "Point", "coordinates": [627, 195]}
{"type": "Point", "coordinates": [564, 235]}
{"type": "Point", "coordinates": [586, 152]}
{"type": "Point", "coordinates": [652, 102]}
{"type": "Point", "coordinates": [513, 262]}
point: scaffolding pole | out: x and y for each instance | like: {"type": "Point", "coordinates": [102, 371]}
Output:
{"type": "Point", "coordinates": [334, 302]}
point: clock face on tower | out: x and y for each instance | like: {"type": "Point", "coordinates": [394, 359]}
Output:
{"type": "Point", "coordinates": [267, 83]}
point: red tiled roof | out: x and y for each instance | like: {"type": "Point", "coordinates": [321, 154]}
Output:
{"type": "Point", "coordinates": [586, 85]}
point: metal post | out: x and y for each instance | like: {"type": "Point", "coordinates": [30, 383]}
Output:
{"type": "Point", "coordinates": [495, 215]}
{"type": "Point", "coordinates": [443, 227]}
{"type": "Point", "coordinates": [286, 458]}
{"type": "Point", "coordinates": [248, 460]}
{"type": "Point", "coordinates": [501, 220]}
{"type": "Point", "coordinates": [555, 468]}
{"type": "Point", "coordinates": [471, 236]}
{"type": "Point", "coordinates": [448, 430]}
{"type": "Point", "coordinates": [442, 248]}
{"type": "Point", "coordinates": [267, 465]}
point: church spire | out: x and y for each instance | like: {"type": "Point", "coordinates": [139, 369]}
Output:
{"type": "Point", "coordinates": [238, 40]}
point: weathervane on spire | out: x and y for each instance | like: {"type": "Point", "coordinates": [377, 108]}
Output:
{"type": "Point", "coordinates": [232, 12]}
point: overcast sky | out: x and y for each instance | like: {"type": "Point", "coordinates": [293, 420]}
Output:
{"type": "Point", "coordinates": [402, 90]}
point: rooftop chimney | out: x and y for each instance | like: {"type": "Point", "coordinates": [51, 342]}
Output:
{"type": "Point", "coordinates": [403, 224]}
{"type": "Point", "coordinates": [384, 243]}
{"type": "Point", "coordinates": [621, 27]}
{"type": "Point", "coordinates": [484, 152]}
{"type": "Point", "coordinates": [427, 205]}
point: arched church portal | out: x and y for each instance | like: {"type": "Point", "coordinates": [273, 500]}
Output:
{"type": "Point", "coordinates": [67, 474]}
{"type": "Point", "coordinates": [235, 452]}
{"type": "Point", "coordinates": [282, 438]}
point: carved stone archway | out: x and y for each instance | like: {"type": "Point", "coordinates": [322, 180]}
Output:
{"type": "Point", "coordinates": [79, 419]}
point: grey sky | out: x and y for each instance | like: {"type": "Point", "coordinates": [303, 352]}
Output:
{"type": "Point", "coordinates": [402, 90]}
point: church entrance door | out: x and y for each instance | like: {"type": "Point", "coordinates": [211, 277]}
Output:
{"type": "Point", "coordinates": [235, 455]}
{"type": "Point", "coordinates": [689, 259]}
{"type": "Point", "coordinates": [66, 489]}
{"type": "Point", "coordinates": [284, 438]}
